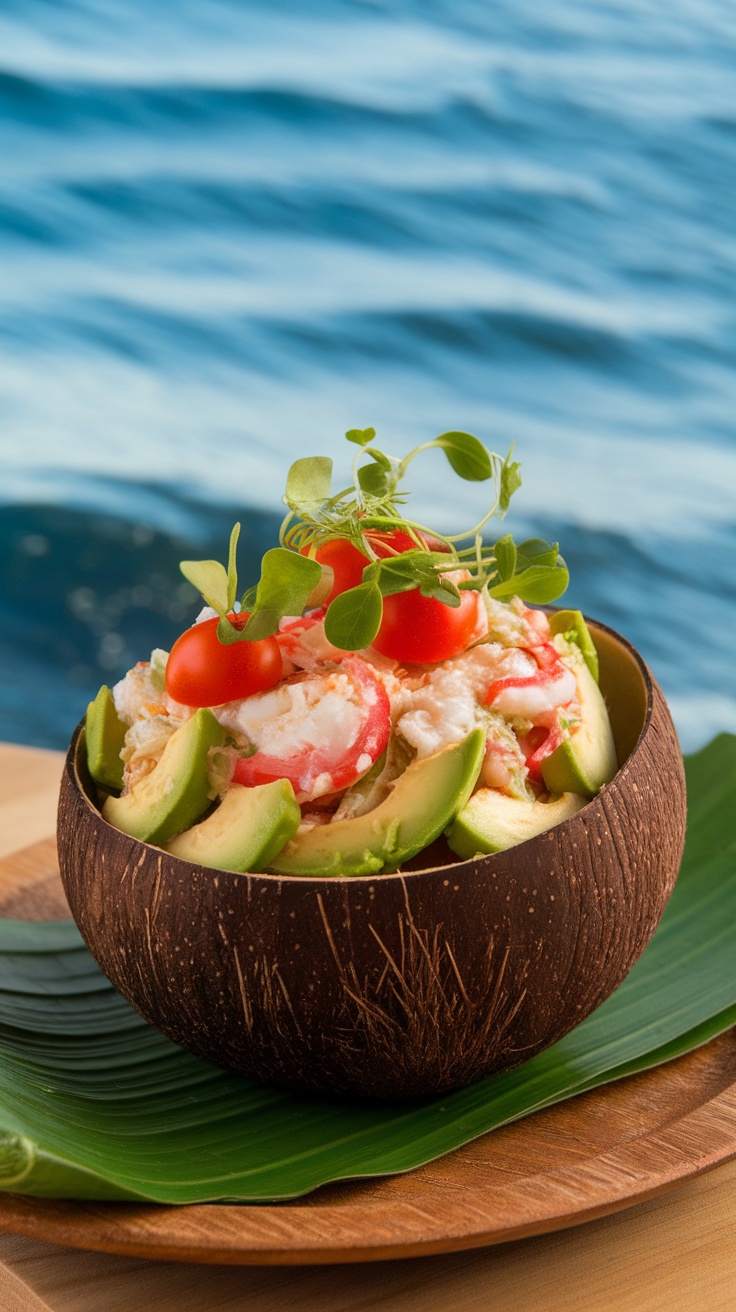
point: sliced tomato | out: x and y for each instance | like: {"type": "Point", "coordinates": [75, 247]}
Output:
{"type": "Point", "coordinates": [321, 731]}
{"type": "Point", "coordinates": [202, 671]}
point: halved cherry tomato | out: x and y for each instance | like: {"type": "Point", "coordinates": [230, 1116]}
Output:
{"type": "Point", "coordinates": [320, 731]}
{"type": "Point", "coordinates": [422, 630]}
{"type": "Point", "coordinates": [202, 671]}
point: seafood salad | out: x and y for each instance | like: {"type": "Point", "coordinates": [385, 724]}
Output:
{"type": "Point", "coordinates": [382, 687]}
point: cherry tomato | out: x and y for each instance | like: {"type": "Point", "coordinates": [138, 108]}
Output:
{"type": "Point", "coordinates": [422, 630]}
{"type": "Point", "coordinates": [386, 544]}
{"type": "Point", "coordinates": [202, 671]}
{"type": "Point", "coordinates": [414, 628]}
{"type": "Point", "coordinates": [322, 732]}
{"type": "Point", "coordinates": [347, 563]}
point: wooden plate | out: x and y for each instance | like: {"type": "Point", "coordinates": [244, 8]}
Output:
{"type": "Point", "coordinates": [596, 1154]}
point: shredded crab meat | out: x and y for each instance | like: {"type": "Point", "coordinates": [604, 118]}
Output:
{"type": "Point", "coordinates": [304, 646]}
{"type": "Point", "coordinates": [504, 766]}
{"type": "Point", "coordinates": [299, 714]}
{"type": "Point", "coordinates": [141, 688]}
{"type": "Point", "coordinates": [142, 703]}
{"type": "Point", "coordinates": [513, 624]}
{"type": "Point", "coordinates": [144, 744]}
{"type": "Point", "coordinates": [447, 702]}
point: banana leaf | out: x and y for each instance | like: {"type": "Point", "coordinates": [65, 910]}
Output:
{"type": "Point", "coordinates": [96, 1104]}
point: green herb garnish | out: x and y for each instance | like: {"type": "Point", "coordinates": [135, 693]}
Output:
{"type": "Point", "coordinates": [367, 512]}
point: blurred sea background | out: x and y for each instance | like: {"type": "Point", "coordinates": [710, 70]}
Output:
{"type": "Point", "coordinates": [230, 231]}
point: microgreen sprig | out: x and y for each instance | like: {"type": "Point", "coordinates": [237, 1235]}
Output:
{"type": "Point", "coordinates": [287, 584]}
{"type": "Point", "coordinates": [366, 514]}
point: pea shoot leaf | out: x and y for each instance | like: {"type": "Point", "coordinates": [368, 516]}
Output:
{"type": "Point", "coordinates": [386, 462]}
{"type": "Point", "coordinates": [248, 599]}
{"type": "Point", "coordinates": [396, 574]}
{"type": "Point", "coordinates": [211, 579]}
{"type": "Point", "coordinates": [505, 553]}
{"type": "Point", "coordinates": [322, 589]}
{"type": "Point", "coordinates": [361, 436]}
{"type": "Point", "coordinates": [308, 483]}
{"type": "Point", "coordinates": [287, 580]}
{"type": "Point", "coordinates": [468, 457]}
{"type": "Point", "coordinates": [227, 632]}
{"type": "Point", "coordinates": [443, 590]}
{"type": "Point", "coordinates": [232, 572]}
{"type": "Point", "coordinates": [354, 617]}
{"type": "Point", "coordinates": [380, 479]}
{"type": "Point", "coordinates": [509, 482]}
{"type": "Point", "coordinates": [374, 480]}
{"type": "Point", "coordinates": [538, 584]}
{"type": "Point", "coordinates": [535, 551]}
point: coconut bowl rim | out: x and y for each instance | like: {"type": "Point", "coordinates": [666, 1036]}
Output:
{"type": "Point", "coordinates": [71, 769]}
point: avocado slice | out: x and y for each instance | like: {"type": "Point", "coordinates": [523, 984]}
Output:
{"type": "Point", "coordinates": [493, 821]}
{"type": "Point", "coordinates": [176, 792]}
{"type": "Point", "coordinates": [586, 760]}
{"type": "Point", "coordinates": [105, 736]}
{"type": "Point", "coordinates": [246, 831]}
{"type": "Point", "coordinates": [421, 803]}
{"type": "Point", "coordinates": [571, 625]}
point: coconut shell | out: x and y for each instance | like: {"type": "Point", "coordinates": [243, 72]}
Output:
{"type": "Point", "coordinates": [401, 984]}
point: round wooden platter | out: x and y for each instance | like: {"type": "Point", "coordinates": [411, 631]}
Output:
{"type": "Point", "coordinates": [591, 1156]}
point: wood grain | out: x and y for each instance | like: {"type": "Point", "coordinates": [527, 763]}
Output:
{"type": "Point", "coordinates": [30, 790]}
{"type": "Point", "coordinates": [586, 1158]}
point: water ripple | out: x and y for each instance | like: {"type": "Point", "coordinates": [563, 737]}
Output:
{"type": "Point", "coordinates": [229, 232]}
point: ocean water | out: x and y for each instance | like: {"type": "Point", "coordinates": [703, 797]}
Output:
{"type": "Point", "coordinates": [230, 231]}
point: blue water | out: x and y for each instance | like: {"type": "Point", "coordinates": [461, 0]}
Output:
{"type": "Point", "coordinates": [230, 231]}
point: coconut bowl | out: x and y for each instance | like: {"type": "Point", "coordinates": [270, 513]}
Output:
{"type": "Point", "coordinates": [401, 984]}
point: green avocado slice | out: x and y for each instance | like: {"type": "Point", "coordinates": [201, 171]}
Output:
{"type": "Point", "coordinates": [176, 792]}
{"type": "Point", "coordinates": [493, 821]}
{"type": "Point", "coordinates": [105, 736]}
{"type": "Point", "coordinates": [248, 829]}
{"type": "Point", "coordinates": [421, 803]}
{"type": "Point", "coordinates": [571, 625]}
{"type": "Point", "coordinates": [586, 760]}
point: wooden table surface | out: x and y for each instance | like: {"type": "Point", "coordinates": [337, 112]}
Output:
{"type": "Point", "coordinates": [676, 1252]}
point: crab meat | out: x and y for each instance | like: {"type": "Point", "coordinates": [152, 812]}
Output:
{"type": "Point", "coordinates": [321, 731]}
